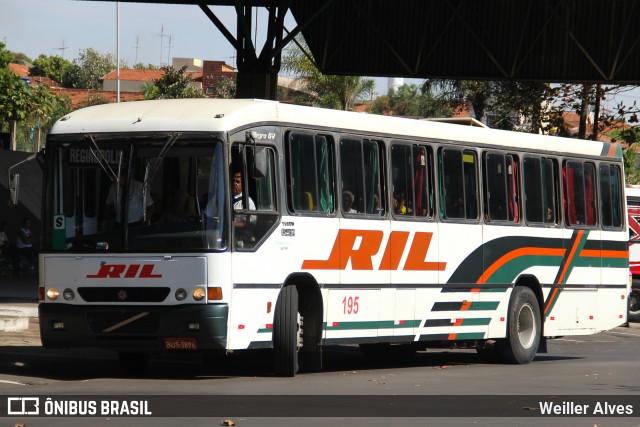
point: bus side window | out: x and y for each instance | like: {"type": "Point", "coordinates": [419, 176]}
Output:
{"type": "Point", "coordinates": [259, 184]}
{"type": "Point", "coordinates": [360, 169]}
{"type": "Point", "coordinates": [501, 195]}
{"type": "Point", "coordinates": [412, 180]}
{"type": "Point", "coordinates": [540, 190]}
{"type": "Point", "coordinates": [579, 192]}
{"type": "Point", "coordinates": [610, 196]}
{"type": "Point", "coordinates": [459, 183]}
{"type": "Point", "coordinates": [310, 176]}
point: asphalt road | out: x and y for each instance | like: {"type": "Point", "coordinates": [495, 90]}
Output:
{"type": "Point", "coordinates": [604, 366]}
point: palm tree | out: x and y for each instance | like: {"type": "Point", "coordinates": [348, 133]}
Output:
{"type": "Point", "coordinates": [330, 91]}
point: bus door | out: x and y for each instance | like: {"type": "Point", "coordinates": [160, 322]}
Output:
{"type": "Point", "coordinates": [460, 234]}
{"type": "Point", "coordinates": [577, 279]}
{"type": "Point", "coordinates": [355, 308]}
{"type": "Point", "coordinates": [413, 243]}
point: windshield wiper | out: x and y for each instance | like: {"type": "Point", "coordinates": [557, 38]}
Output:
{"type": "Point", "coordinates": [149, 173]}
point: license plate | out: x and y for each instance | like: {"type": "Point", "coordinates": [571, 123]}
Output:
{"type": "Point", "coordinates": [180, 344]}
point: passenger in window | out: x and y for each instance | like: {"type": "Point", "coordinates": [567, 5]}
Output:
{"type": "Point", "coordinates": [550, 215]}
{"type": "Point", "coordinates": [347, 202]}
{"type": "Point", "coordinates": [400, 204]}
{"type": "Point", "coordinates": [377, 206]}
{"type": "Point", "coordinates": [241, 221]}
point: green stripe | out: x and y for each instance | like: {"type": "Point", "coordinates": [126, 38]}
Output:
{"type": "Point", "coordinates": [479, 321]}
{"type": "Point", "coordinates": [469, 335]}
{"type": "Point", "coordinates": [484, 305]}
{"type": "Point", "coordinates": [512, 269]}
{"type": "Point", "coordinates": [483, 289]}
{"type": "Point", "coordinates": [368, 325]}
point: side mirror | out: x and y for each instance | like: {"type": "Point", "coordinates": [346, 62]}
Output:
{"type": "Point", "coordinates": [14, 186]}
{"type": "Point", "coordinates": [14, 181]}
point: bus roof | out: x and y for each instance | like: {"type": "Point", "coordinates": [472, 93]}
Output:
{"type": "Point", "coordinates": [215, 115]}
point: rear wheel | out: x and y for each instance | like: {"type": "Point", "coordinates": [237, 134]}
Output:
{"type": "Point", "coordinates": [523, 329]}
{"type": "Point", "coordinates": [287, 333]}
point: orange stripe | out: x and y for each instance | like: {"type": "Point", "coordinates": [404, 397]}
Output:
{"type": "Point", "coordinates": [458, 322]}
{"type": "Point", "coordinates": [574, 248]}
{"type": "Point", "coordinates": [465, 305]}
{"type": "Point", "coordinates": [515, 254]}
{"type": "Point", "coordinates": [452, 337]}
{"type": "Point", "coordinates": [612, 150]}
{"type": "Point", "coordinates": [596, 253]}
{"type": "Point", "coordinates": [550, 300]}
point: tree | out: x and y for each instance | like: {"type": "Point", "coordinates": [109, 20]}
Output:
{"type": "Point", "coordinates": [20, 58]}
{"type": "Point", "coordinates": [410, 100]}
{"type": "Point", "coordinates": [463, 93]}
{"type": "Point", "coordinates": [87, 69]}
{"type": "Point", "coordinates": [522, 106]}
{"type": "Point", "coordinates": [52, 67]}
{"type": "Point", "coordinates": [6, 57]}
{"type": "Point", "coordinates": [20, 102]}
{"type": "Point", "coordinates": [174, 83]}
{"type": "Point", "coordinates": [141, 66]}
{"type": "Point", "coordinates": [224, 88]}
{"type": "Point", "coordinates": [331, 91]}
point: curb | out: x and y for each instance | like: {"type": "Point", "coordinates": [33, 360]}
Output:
{"type": "Point", "coordinates": [12, 324]}
{"type": "Point", "coordinates": [18, 310]}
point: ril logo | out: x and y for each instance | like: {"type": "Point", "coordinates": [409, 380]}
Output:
{"type": "Point", "coordinates": [344, 249]}
{"type": "Point", "coordinates": [124, 271]}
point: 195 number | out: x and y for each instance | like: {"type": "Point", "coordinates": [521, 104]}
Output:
{"type": "Point", "coordinates": [350, 305]}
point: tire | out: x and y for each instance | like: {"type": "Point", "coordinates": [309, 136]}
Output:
{"type": "Point", "coordinates": [286, 329]}
{"type": "Point", "coordinates": [523, 328]}
{"type": "Point", "coordinates": [634, 305]}
{"type": "Point", "coordinates": [134, 364]}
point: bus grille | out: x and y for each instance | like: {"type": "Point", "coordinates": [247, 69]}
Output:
{"type": "Point", "coordinates": [124, 294]}
{"type": "Point", "coordinates": [120, 322]}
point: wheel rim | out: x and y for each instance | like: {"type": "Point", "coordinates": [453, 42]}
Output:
{"type": "Point", "coordinates": [526, 326]}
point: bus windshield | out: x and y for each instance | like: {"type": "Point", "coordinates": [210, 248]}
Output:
{"type": "Point", "coordinates": [152, 195]}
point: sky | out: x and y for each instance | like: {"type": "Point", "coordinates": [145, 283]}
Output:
{"type": "Point", "coordinates": [65, 27]}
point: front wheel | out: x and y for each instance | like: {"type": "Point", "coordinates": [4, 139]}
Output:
{"type": "Point", "coordinates": [523, 328]}
{"type": "Point", "coordinates": [287, 330]}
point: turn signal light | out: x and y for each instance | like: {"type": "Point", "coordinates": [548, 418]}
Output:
{"type": "Point", "coordinates": [214, 294]}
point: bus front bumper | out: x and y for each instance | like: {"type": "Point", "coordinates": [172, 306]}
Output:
{"type": "Point", "coordinates": [134, 328]}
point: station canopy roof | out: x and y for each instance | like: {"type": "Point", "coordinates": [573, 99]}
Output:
{"type": "Point", "coordinates": [547, 40]}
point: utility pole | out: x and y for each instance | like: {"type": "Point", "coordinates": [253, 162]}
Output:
{"type": "Point", "coordinates": [63, 48]}
{"type": "Point", "coordinates": [137, 46]}
{"type": "Point", "coordinates": [162, 35]}
{"type": "Point", "coordinates": [169, 51]}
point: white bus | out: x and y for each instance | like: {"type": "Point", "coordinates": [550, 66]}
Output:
{"type": "Point", "coordinates": [247, 224]}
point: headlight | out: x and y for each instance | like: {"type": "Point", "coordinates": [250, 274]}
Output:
{"type": "Point", "coordinates": [68, 294]}
{"type": "Point", "coordinates": [198, 294]}
{"type": "Point", "coordinates": [181, 294]}
{"type": "Point", "coordinates": [52, 294]}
